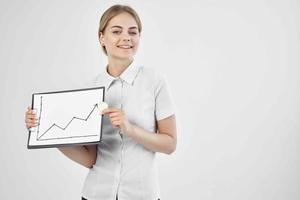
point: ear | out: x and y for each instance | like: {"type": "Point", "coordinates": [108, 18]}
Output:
{"type": "Point", "coordinates": [101, 39]}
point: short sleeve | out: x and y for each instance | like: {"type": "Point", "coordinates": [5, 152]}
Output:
{"type": "Point", "coordinates": [164, 105]}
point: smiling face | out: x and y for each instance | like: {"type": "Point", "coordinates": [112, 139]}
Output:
{"type": "Point", "coordinates": [121, 37]}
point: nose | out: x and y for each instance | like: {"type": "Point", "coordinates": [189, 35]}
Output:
{"type": "Point", "coordinates": [126, 37]}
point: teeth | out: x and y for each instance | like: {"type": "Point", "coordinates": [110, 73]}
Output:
{"type": "Point", "coordinates": [125, 47]}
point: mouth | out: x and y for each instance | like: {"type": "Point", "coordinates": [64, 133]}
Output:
{"type": "Point", "coordinates": [125, 46]}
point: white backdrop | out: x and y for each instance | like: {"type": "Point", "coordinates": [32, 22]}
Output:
{"type": "Point", "coordinates": [234, 72]}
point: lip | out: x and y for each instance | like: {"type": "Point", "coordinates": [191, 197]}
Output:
{"type": "Point", "coordinates": [125, 46]}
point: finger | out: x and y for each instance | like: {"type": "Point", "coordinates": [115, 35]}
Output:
{"type": "Point", "coordinates": [33, 112]}
{"type": "Point", "coordinates": [117, 123]}
{"type": "Point", "coordinates": [114, 114]}
{"type": "Point", "coordinates": [110, 110]}
{"type": "Point", "coordinates": [29, 121]}
{"type": "Point", "coordinates": [117, 120]}
{"type": "Point", "coordinates": [112, 119]}
{"type": "Point", "coordinates": [31, 116]}
{"type": "Point", "coordinates": [30, 112]}
{"type": "Point", "coordinates": [105, 111]}
{"type": "Point", "coordinates": [30, 125]}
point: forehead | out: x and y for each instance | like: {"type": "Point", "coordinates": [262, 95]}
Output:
{"type": "Point", "coordinates": [124, 19]}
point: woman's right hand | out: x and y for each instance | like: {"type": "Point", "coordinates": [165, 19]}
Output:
{"type": "Point", "coordinates": [30, 118]}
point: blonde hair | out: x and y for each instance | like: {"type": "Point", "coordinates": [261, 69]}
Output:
{"type": "Point", "coordinates": [114, 11]}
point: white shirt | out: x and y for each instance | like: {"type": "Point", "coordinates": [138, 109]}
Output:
{"type": "Point", "coordinates": [124, 167]}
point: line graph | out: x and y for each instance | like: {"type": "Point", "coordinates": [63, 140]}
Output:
{"type": "Point", "coordinates": [67, 117]}
{"type": "Point", "coordinates": [63, 128]}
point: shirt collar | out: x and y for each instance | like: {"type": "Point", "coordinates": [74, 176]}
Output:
{"type": "Point", "coordinates": [108, 79]}
{"type": "Point", "coordinates": [128, 75]}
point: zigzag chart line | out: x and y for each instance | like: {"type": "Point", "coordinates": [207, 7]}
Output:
{"type": "Point", "coordinates": [65, 127]}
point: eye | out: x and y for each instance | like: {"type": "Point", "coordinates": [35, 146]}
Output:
{"type": "Point", "coordinates": [132, 33]}
{"type": "Point", "coordinates": [116, 32]}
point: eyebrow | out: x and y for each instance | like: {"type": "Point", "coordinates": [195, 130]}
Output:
{"type": "Point", "coordinates": [117, 26]}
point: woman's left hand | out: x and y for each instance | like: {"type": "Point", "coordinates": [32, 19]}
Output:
{"type": "Point", "coordinates": [118, 119]}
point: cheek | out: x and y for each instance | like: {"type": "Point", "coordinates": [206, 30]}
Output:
{"type": "Point", "coordinates": [136, 44]}
{"type": "Point", "coordinates": [111, 41]}
{"type": "Point", "coordinates": [110, 44]}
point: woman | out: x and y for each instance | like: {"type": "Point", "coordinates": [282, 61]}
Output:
{"type": "Point", "coordinates": [139, 121]}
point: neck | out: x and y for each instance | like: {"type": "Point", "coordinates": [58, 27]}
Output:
{"type": "Point", "coordinates": [117, 66]}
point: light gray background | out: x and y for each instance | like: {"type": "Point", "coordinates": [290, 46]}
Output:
{"type": "Point", "coordinates": [234, 71]}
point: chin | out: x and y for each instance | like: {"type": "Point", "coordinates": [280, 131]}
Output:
{"type": "Point", "coordinates": [124, 56]}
